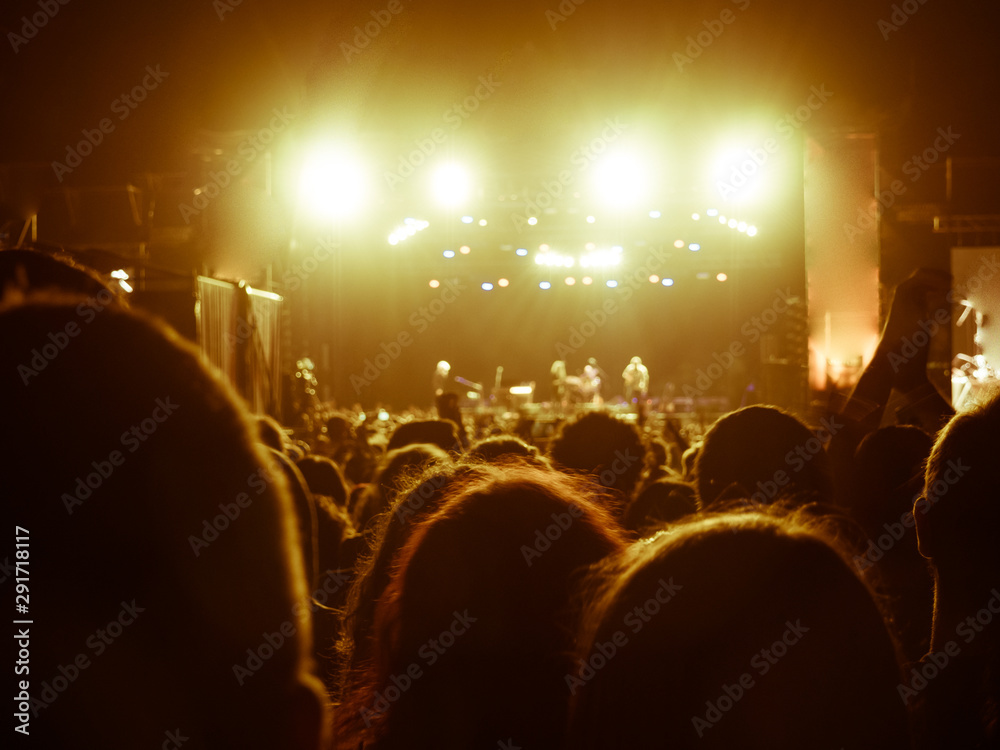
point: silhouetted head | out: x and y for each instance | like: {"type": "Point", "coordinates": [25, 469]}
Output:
{"type": "Point", "coordinates": [163, 538]}
{"type": "Point", "coordinates": [604, 447]}
{"type": "Point", "coordinates": [394, 471]}
{"type": "Point", "coordinates": [480, 606]}
{"type": "Point", "coordinates": [767, 453]}
{"type": "Point", "coordinates": [958, 518]}
{"type": "Point", "coordinates": [440, 432]}
{"type": "Point", "coordinates": [324, 478]}
{"type": "Point", "coordinates": [505, 447]}
{"type": "Point", "coordinates": [734, 631]}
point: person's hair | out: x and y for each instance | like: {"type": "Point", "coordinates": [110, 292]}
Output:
{"type": "Point", "coordinates": [959, 518]}
{"type": "Point", "coordinates": [736, 630]}
{"type": "Point", "coordinates": [440, 432]}
{"type": "Point", "coordinates": [478, 615]}
{"type": "Point", "coordinates": [767, 453]}
{"type": "Point", "coordinates": [496, 447]}
{"type": "Point", "coordinates": [162, 540]}
{"type": "Point", "coordinates": [658, 503]}
{"type": "Point", "coordinates": [324, 477]}
{"type": "Point", "coordinates": [394, 471]}
{"type": "Point", "coordinates": [605, 447]}
{"type": "Point", "coordinates": [270, 433]}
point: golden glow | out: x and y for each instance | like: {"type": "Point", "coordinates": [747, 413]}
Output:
{"type": "Point", "coordinates": [434, 283]}
{"type": "Point", "coordinates": [451, 185]}
{"type": "Point", "coordinates": [333, 183]}
{"type": "Point", "coordinates": [620, 179]}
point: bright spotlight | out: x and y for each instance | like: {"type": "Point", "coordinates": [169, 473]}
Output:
{"type": "Point", "coordinates": [544, 285]}
{"type": "Point", "coordinates": [503, 282]}
{"type": "Point", "coordinates": [742, 226]}
{"type": "Point", "coordinates": [653, 278]}
{"type": "Point", "coordinates": [733, 223]}
{"type": "Point", "coordinates": [667, 282]}
{"type": "Point", "coordinates": [449, 253]}
{"type": "Point", "coordinates": [467, 219]}
{"type": "Point", "coordinates": [722, 219]}
{"type": "Point", "coordinates": [451, 185]}
{"type": "Point", "coordinates": [611, 283]}
{"type": "Point", "coordinates": [694, 246]}
{"type": "Point", "coordinates": [591, 219]}
{"type": "Point", "coordinates": [333, 183]}
{"type": "Point", "coordinates": [532, 220]}
{"type": "Point", "coordinates": [570, 281]}
{"type": "Point", "coordinates": [125, 285]}
{"type": "Point", "coordinates": [587, 281]}
{"type": "Point", "coordinates": [721, 277]}
{"type": "Point", "coordinates": [655, 214]}
{"type": "Point", "coordinates": [751, 230]}
{"type": "Point", "coordinates": [465, 249]}
{"type": "Point", "coordinates": [482, 222]}
{"type": "Point", "coordinates": [696, 217]}
{"type": "Point", "coordinates": [434, 283]}
{"type": "Point", "coordinates": [620, 179]}
{"type": "Point", "coordinates": [678, 244]}
{"type": "Point", "coordinates": [738, 172]}
{"type": "Point", "coordinates": [487, 286]}
{"type": "Point", "coordinates": [712, 212]}
{"type": "Point", "coordinates": [522, 251]}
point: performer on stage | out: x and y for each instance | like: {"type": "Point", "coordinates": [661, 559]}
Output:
{"type": "Point", "coordinates": [440, 380]}
{"type": "Point", "coordinates": [636, 378]}
{"type": "Point", "coordinates": [592, 381]}
{"type": "Point", "coordinates": [558, 372]}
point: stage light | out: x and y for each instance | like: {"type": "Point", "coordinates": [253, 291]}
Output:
{"type": "Point", "coordinates": [449, 253]}
{"type": "Point", "coordinates": [451, 185]}
{"type": "Point", "coordinates": [590, 219]}
{"type": "Point", "coordinates": [487, 286]}
{"type": "Point", "coordinates": [722, 219]}
{"type": "Point", "coordinates": [587, 281]}
{"type": "Point", "coordinates": [590, 246]}
{"type": "Point", "coordinates": [738, 172]}
{"type": "Point", "coordinates": [654, 214]}
{"type": "Point", "coordinates": [544, 285]}
{"type": "Point", "coordinates": [653, 279]}
{"type": "Point", "coordinates": [503, 282]}
{"type": "Point", "coordinates": [410, 227]}
{"type": "Point", "coordinates": [555, 260]}
{"type": "Point", "coordinates": [482, 222]}
{"type": "Point", "coordinates": [521, 390]}
{"type": "Point", "coordinates": [522, 251]}
{"type": "Point", "coordinates": [532, 220]}
{"type": "Point", "coordinates": [620, 179]}
{"type": "Point", "coordinates": [667, 282]}
{"type": "Point", "coordinates": [467, 219]}
{"type": "Point", "coordinates": [611, 283]}
{"type": "Point", "coordinates": [732, 223]}
{"type": "Point", "coordinates": [742, 226]}
{"type": "Point", "coordinates": [119, 274]}
{"type": "Point", "coordinates": [751, 230]}
{"type": "Point", "coordinates": [701, 275]}
{"type": "Point", "coordinates": [712, 212]}
{"type": "Point", "coordinates": [602, 258]}
{"type": "Point", "coordinates": [696, 217]}
{"type": "Point", "coordinates": [125, 285]}
{"type": "Point", "coordinates": [570, 281]}
{"type": "Point", "coordinates": [434, 283]}
{"type": "Point", "coordinates": [721, 277]}
{"type": "Point", "coordinates": [333, 183]}
{"type": "Point", "coordinates": [544, 248]}
{"type": "Point", "coordinates": [465, 249]}
{"type": "Point", "coordinates": [694, 247]}
{"type": "Point", "coordinates": [678, 243]}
